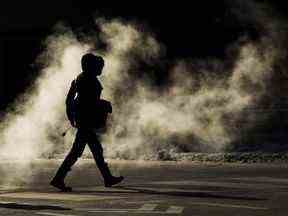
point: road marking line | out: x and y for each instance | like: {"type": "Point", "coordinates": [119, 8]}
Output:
{"type": "Point", "coordinates": [175, 210]}
{"type": "Point", "coordinates": [101, 209]}
{"type": "Point", "coordinates": [6, 203]}
{"type": "Point", "coordinates": [134, 211]}
{"type": "Point", "coordinates": [145, 202]}
{"type": "Point", "coordinates": [57, 196]}
{"type": "Point", "coordinates": [53, 214]}
{"type": "Point", "coordinates": [148, 207]}
{"type": "Point", "coordinates": [151, 212]}
{"type": "Point", "coordinates": [145, 209]}
{"type": "Point", "coordinates": [228, 205]}
{"type": "Point", "coordinates": [108, 211]}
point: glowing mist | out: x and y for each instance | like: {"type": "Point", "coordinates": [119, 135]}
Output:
{"type": "Point", "coordinates": [195, 111]}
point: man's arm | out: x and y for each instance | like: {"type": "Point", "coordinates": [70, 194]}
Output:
{"type": "Point", "coordinates": [70, 103]}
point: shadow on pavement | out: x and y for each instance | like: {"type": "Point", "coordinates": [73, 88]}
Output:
{"type": "Point", "coordinates": [135, 189]}
{"type": "Point", "coordinates": [31, 207]}
{"type": "Point", "coordinates": [189, 194]}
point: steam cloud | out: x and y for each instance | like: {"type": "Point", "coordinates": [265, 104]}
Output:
{"type": "Point", "coordinates": [202, 106]}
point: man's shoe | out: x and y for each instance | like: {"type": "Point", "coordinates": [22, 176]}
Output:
{"type": "Point", "coordinates": [60, 185]}
{"type": "Point", "coordinates": [113, 180]}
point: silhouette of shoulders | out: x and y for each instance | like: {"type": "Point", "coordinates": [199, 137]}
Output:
{"type": "Point", "coordinates": [88, 86]}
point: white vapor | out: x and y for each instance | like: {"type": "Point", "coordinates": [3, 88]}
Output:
{"type": "Point", "coordinates": [198, 109]}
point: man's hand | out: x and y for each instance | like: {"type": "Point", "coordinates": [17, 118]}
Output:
{"type": "Point", "coordinates": [73, 123]}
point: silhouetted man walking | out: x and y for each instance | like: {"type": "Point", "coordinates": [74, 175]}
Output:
{"type": "Point", "coordinates": [88, 113]}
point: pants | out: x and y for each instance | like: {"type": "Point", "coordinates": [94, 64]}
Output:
{"type": "Point", "coordinates": [83, 137]}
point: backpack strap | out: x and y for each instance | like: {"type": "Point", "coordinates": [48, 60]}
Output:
{"type": "Point", "coordinates": [70, 101]}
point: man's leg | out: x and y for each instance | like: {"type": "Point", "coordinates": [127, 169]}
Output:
{"type": "Point", "coordinates": [97, 152]}
{"type": "Point", "coordinates": [76, 152]}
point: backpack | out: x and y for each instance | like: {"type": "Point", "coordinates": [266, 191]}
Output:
{"type": "Point", "coordinates": [94, 115]}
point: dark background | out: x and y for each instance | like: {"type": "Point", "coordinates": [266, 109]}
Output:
{"type": "Point", "coordinates": [199, 29]}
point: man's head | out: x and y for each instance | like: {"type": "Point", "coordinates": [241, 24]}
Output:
{"type": "Point", "coordinates": [92, 64]}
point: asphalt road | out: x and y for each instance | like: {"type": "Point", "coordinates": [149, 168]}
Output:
{"type": "Point", "coordinates": [150, 188]}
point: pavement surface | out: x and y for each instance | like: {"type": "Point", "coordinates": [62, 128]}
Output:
{"type": "Point", "coordinates": [150, 188]}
